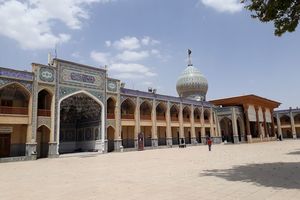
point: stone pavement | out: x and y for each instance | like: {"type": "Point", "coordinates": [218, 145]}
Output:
{"type": "Point", "coordinates": [246, 171]}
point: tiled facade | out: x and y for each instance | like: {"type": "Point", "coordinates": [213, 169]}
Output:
{"type": "Point", "coordinates": [67, 107]}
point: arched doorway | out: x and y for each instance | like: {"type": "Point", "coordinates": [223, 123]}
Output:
{"type": "Point", "coordinates": [81, 115]}
{"type": "Point", "coordinates": [42, 140]}
{"type": "Point", "coordinates": [111, 104]}
{"type": "Point", "coordinates": [127, 116]}
{"type": "Point", "coordinates": [226, 129]}
{"type": "Point", "coordinates": [110, 139]}
{"type": "Point", "coordinates": [197, 116]}
{"type": "Point", "coordinates": [14, 100]}
{"type": "Point", "coordinates": [44, 103]}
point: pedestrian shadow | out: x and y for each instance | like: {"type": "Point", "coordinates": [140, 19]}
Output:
{"type": "Point", "coordinates": [279, 174]}
{"type": "Point", "coordinates": [294, 153]}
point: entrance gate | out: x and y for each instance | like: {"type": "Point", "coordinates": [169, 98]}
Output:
{"type": "Point", "coordinates": [4, 145]}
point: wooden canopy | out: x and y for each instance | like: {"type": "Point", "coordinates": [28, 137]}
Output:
{"type": "Point", "coordinates": [245, 101]}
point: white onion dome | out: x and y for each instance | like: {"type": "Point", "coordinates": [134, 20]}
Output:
{"type": "Point", "coordinates": [191, 84]}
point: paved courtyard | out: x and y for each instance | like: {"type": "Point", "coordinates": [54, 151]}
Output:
{"type": "Point", "coordinates": [257, 171]}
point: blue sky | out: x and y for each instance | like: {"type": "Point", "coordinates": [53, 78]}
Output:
{"type": "Point", "coordinates": [144, 43]}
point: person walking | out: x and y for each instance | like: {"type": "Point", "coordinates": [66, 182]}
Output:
{"type": "Point", "coordinates": [209, 142]}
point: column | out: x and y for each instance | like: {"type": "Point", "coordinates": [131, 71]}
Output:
{"type": "Point", "coordinates": [272, 125]}
{"type": "Point", "coordinates": [265, 124]}
{"type": "Point", "coordinates": [181, 129]}
{"type": "Point", "coordinates": [234, 126]}
{"type": "Point", "coordinates": [248, 132]}
{"type": "Point", "coordinates": [31, 127]}
{"type": "Point", "coordinates": [137, 127]}
{"type": "Point", "coordinates": [211, 122]}
{"type": "Point", "coordinates": [217, 125]}
{"type": "Point", "coordinates": [279, 126]}
{"type": "Point", "coordinates": [169, 130]}
{"type": "Point", "coordinates": [118, 130]}
{"type": "Point", "coordinates": [293, 125]}
{"type": "Point", "coordinates": [53, 150]}
{"type": "Point", "coordinates": [193, 134]}
{"type": "Point", "coordinates": [154, 138]}
{"type": "Point", "coordinates": [203, 136]}
{"type": "Point", "coordinates": [258, 123]}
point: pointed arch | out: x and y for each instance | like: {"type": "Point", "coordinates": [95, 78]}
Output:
{"type": "Point", "coordinates": [174, 113]}
{"type": "Point", "coordinates": [161, 110]}
{"type": "Point", "coordinates": [206, 116]}
{"type": "Point", "coordinates": [186, 114]}
{"type": "Point", "coordinates": [15, 99]}
{"type": "Point", "coordinates": [285, 120]}
{"type": "Point", "coordinates": [297, 118]}
{"type": "Point", "coordinates": [145, 110]}
{"type": "Point", "coordinates": [111, 105]}
{"type": "Point", "coordinates": [128, 109]}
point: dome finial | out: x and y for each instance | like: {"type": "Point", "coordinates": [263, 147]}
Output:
{"type": "Point", "coordinates": [189, 57]}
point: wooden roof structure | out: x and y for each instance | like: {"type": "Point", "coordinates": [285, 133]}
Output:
{"type": "Point", "coordinates": [246, 100]}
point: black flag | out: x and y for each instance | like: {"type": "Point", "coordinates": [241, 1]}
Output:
{"type": "Point", "coordinates": [189, 51]}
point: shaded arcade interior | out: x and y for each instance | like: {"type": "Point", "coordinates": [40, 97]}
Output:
{"type": "Point", "coordinates": [80, 123]}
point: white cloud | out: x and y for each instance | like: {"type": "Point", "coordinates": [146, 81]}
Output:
{"type": "Point", "coordinates": [230, 6]}
{"type": "Point", "coordinates": [130, 43]}
{"type": "Point", "coordinates": [30, 22]}
{"type": "Point", "coordinates": [132, 55]}
{"type": "Point", "coordinates": [100, 57]}
{"type": "Point", "coordinates": [131, 70]}
{"type": "Point", "coordinates": [126, 52]}
{"type": "Point", "coordinates": [108, 43]}
{"type": "Point", "coordinates": [149, 41]}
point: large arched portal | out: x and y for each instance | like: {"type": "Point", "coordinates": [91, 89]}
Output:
{"type": "Point", "coordinates": [42, 140]}
{"type": "Point", "coordinates": [81, 115]}
{"type": "Point", "coordinates": [226, 129]}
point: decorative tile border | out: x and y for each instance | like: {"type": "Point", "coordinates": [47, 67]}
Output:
{"type": "Point", "coordinates": [9, 73]}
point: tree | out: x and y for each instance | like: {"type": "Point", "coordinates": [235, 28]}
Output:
{"type": "Point", "coordinates": [284, 13]}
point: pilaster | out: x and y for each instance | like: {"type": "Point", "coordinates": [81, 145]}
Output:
{"type": "Point", "coordinates": [258, 123]}
{"type": "Point", "coordinates": [279, 126]}
{"type": "Point", "coordinates": [234, 126]}
{"type": "Point", "coordinates": [248, 132]}
{"type": "Point", "coordinates": [154, 138]}
{"type": "Point", "coordinates": [293, 125]}
{"type": "Point", "coordinates": [168, 128]}
{"type": "Point", "coordinates": [211, 120]}
{"type": "Point", "coordinates": [181, 129]}
{"type": "Point", "coordinates": [193, 134]}
{"type": "Point", "coordinates": [203, 136]}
